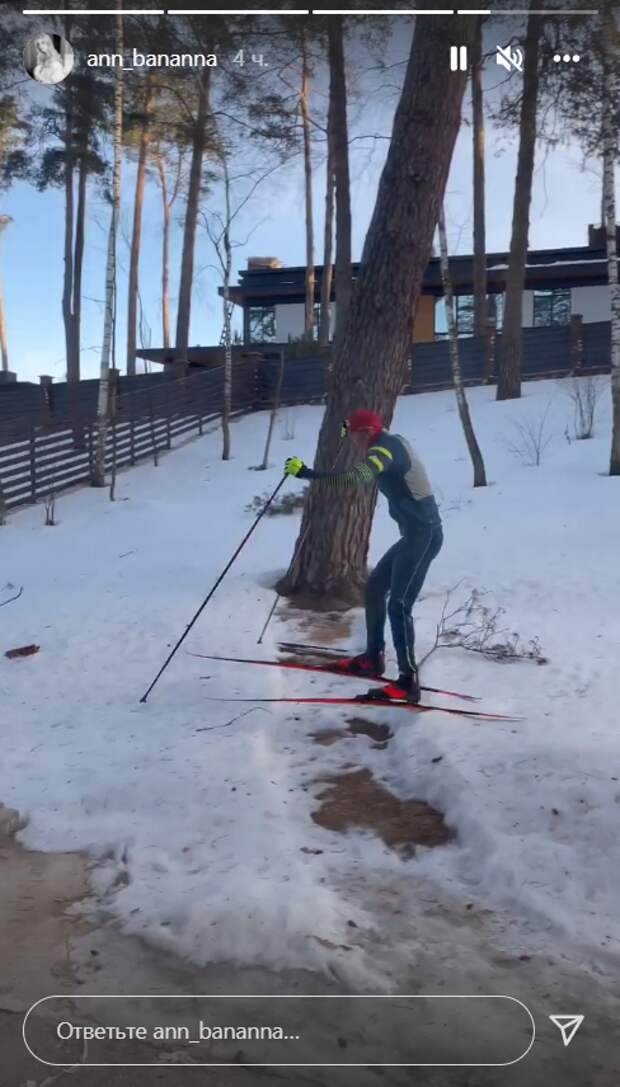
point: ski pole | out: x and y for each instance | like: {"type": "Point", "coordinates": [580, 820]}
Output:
{"type": "Point", "coordinates": [277, 596]}
{"type": "Point", "coordinates": [295, 553]}
{"type": "Point", "coordinates": [213, 588]}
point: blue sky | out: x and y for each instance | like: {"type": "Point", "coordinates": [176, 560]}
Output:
{"type": "Point", "coordinates": [566, 199]}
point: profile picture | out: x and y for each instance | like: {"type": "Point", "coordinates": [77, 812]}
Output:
{"type": "Point", "coordinates": [48, 58]}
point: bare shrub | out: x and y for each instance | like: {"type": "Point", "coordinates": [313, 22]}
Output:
{"type": "Point", "coordinates": [531, 438]}
{"type": "Point", "coordinates": [475, 626]}
{"type": "Point", "coordinates": [585, 393]}
{"type": "Point", "coordinates": [288, 425]}
{"type": "Point", "coordinates": [286, 504]}
{"type": "Point", "coordinates": [49, 504]}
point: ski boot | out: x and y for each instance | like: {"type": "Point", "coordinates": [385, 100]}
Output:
{"type": "Point", "coordinates": [406, 688]}
{"type": "Point", "coordinates": [362, 665]}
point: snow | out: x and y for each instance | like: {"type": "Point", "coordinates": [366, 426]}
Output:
{"type": "Point", "coordinates": [198, 838]}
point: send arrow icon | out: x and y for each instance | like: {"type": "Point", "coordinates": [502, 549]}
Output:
{"type": "Point", "coordinates": [568, 1025]}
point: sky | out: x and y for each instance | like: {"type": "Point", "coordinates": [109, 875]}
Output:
{"type": "Point", "coordinates": [565, 199]}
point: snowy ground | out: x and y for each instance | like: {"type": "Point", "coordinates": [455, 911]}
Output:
{"type": "Point", "coordinates": [198, 835]}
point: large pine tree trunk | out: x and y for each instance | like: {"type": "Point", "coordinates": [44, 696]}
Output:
{"type": "Point", "coordinates": [509, 370]}
{"type": "Point", "coordinates": [480, 260]}
{"type": "Point", "coordinates": [371, 364]}
{"type": "Point", "coordinates": [610, 151]}
{"type": "Point", "coordinates": [136, 235]}
{"type": "Point", "coordinates": [343, 281]}
{"type": "Point", "coordinates": [98, 479]}
{"type": "Point", "coordinates": [304, 96]}
{"type": "Point", "coordinates": [455, 364]}
{"type": "Point", "coordinates": [191, 216]}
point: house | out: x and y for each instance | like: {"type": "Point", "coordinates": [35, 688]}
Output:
{"type": "Point", "coordinates": [559, 283]}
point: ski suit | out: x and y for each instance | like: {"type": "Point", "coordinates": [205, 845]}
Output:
{"type": "Point", "coordinates": [394, 466]}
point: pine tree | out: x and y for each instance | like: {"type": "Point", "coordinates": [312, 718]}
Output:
{"type": "Point", "coordinates": [370, 366]}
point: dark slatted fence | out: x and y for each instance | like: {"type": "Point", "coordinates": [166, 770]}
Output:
{"type": "Point", "coordinates": [47, 450]}
{"type": "Point", "coordinates": [553, 351]}
{"type": "Point", "coordinates": [48, 433]}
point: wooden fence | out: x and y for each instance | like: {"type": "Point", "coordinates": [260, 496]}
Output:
{"type": "Point", "coordinates": [41, 454]}
{"type": "Point", "coordinates": [51, 445]}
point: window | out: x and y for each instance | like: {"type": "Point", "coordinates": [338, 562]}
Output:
{"type": "Point", "coordinates": [300, 338]}
{"type": "Point", "coordinates": [552, 307]}
{"type": "Point", "coordinates": [262, 324]}
{"type": "Point", "coordinates": [464, 312]}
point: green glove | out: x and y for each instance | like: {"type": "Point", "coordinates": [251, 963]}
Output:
{"type": "Point", "coordinates": [294, 466]}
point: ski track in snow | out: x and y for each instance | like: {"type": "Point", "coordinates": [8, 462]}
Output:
{"type": "Point", "coordinates": [198, 836]}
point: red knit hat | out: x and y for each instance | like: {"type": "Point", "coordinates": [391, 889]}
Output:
{"type": "Point", "coordinates": [363, 419]}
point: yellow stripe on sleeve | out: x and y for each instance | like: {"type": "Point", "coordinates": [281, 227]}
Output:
{"type": "Point", "coordinates": [382, 449]}
{"type": "Point", "coordinates": [378, 463]}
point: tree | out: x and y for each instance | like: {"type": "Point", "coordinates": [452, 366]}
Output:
{"type": "Point", "coordinates": [4, 222]}
{"type": "Point", "coordinates": [328, 242]}
{"type": "Point", "coordinates": [453, 344]}
{"type": "Point", "coordinates": [480, 257]}
{"type": "Point", "coordinates": [69, 130]}
{"type": "Point", "coordinates": [200, 137]}
{"type": "Point", "coordinates": [71, 127]}
{"type": "Point", "coordinates": [304, 105]}
{"type": "Point", "coordinates": [611, 89]}
{"type": "Point", "coordinates": [136, 233]}
{"type": "Point", "coordinates": [340, 152]}
{"type": "Point", "coordinates": [219, 227]}
{"type": "Point", "coordinates": [509, 369]}
{"type": "Point", "coordinates": [581, 95]}
{"type": "Point", "coordinates": [371, 362]}
{"type": "Point", "coordinates": [109, 329]}
{"type": "Point", "coordinates": [169, 161]}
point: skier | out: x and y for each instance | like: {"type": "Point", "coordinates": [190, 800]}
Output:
{"type": "Point", "coordinates": [392, 464]}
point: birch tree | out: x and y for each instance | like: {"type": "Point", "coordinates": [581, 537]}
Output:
{"type": "Point", "coordinates": [110, 278]}
{"type": "Point", "coordinates": [455, 365]}
{"type": "Point", "coordinates": [238, 191]}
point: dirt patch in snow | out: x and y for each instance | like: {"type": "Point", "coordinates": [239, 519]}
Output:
{"type": "Point", "coordinates": [327, 736]}
{"type": "Point", "coordinates": [379, 733]}
{"type": "Point", "coordinates": [357, 726]}
{"type": "Point", "coordinates": [356, 800]}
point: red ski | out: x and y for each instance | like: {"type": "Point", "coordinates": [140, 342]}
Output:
{"type": "Point", "coordinates": [329, 669]}
{"type": "Point", "coordinates": [362, 700]}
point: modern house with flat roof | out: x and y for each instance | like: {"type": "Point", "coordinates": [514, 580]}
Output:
{"type": "Point", "coordinates": [559, 283]}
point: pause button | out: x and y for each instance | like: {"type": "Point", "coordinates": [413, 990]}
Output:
{"type": "Point", "coordinates": [458, 58]}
